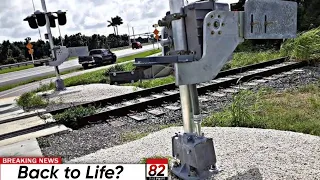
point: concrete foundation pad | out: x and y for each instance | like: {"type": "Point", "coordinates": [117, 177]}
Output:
{"type": "Point", "coordinates": [28, 148]}
{"type": "Point", "coordinates": [242, 153]}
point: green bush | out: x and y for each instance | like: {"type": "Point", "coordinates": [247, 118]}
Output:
{"type": "Point", "coordinates": [71, 117]}
{"type": "Point", "coordinates": [114, 69]}
{"type": "Point", "coordinates": [30, 101]}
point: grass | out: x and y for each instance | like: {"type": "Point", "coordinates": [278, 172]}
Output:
{"type": "Point", "coordinates": [72, 58]}
{"type": "Point", "coordinates": [13, 69]}
{"type": "Point", "coordinates": [305, 47]}
{"type": "Point", "coordinates": [132, 136]}
{"type": "Point", "coordinates": [295, 110]}
{"type": "Point", "coordinates": [70, 118]}
{"type": "Point", "coordinates": [247, 58]}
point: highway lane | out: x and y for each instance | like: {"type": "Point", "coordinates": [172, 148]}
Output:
{"type": "Point", "coordinates": [23, 75]}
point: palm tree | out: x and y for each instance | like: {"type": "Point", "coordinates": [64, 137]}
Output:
{"type": "Point", "coordinates": [113, 24]}
{"type": "Point", "coordinates": [118, 21]}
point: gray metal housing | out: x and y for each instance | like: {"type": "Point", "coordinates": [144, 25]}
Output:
{"type": "Point", "coordinates": [197, 156]}
{"type": "Point", "coordinates": [196, 13]}
{"type": "Point", "coordinates": [271, 19]}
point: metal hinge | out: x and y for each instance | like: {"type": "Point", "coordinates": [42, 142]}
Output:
{"type": "Point", "coordinates": [166, 21]}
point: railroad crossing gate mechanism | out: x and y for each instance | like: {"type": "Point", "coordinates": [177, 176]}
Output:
{"type": "Point", "coordinates": [199, 39]}
{"type": "Point", "coordinates": [62, 53]}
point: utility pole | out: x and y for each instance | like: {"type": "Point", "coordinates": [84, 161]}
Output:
{"type": "Point", "coordinates": [34, 9]}
{"type": "Point", "coordinates": [128, 34]}
{"type": "Point", "coordinates": [134, 38]}
{"type": "Point", "coordinates": [59, 81]}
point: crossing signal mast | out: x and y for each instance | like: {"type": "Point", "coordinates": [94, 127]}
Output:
{"type": "Point", "coordinates": [198, 40]}
{"type": "Point", "coordinates": [58, 54]}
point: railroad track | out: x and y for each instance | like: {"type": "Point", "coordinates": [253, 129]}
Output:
{"type": "Point", "coordinates": [148, 100]}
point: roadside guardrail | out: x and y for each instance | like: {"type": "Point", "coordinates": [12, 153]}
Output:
{"type": "Point", "coordinates": [22, 63]}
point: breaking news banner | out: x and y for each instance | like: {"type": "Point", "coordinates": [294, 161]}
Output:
{"type": "Point", "coordinates": [31, 168]}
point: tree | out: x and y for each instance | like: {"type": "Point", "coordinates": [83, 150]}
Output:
{"type": "Point", "coordinates": [113, 24]}
{"type": "Point", "coordinates": [118, 21]}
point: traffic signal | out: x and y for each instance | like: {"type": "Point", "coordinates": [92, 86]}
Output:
{"type": "Point", "coordinates": [52, 20]}
{"type": "Point", "coordinates": [41, 18]}
{"type": "Point", "coordinates": [32, 21]}
{"type": "Point", "coordinates": [62, 19]}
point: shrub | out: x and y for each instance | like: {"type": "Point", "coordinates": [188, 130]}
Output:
{"type": "Point", "coordinates": [30, 101]}
{"type": "Point", "coordinates": [114, 69]}
{"type": "Point", "coordinates": [71, 117]}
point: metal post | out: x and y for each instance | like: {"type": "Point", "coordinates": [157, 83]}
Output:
{"type": "Point", "coordinates": [196, 108]}
{"type": "Point", "coordinates": [134, 38]}
{"type": "Point", "coordinates": [179, 39]}
{"type": "Point", "coordinates": [60, 35]}
{"type": "Point", "coordinates": [128, 34]}
{"type": "Point", "coordinates": [59, 81]}
{"type": "Point", "coordinates": [32, 58]}
{"type": "Point", "coordinates": [34, 9]}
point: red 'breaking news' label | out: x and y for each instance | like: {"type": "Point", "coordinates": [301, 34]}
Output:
{"type": "Point", "coordinates": [30, 160]}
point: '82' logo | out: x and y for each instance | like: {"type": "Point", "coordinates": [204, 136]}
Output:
{"type": "Point", "coordinates": [157, 169]}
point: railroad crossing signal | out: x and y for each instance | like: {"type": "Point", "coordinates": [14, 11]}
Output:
{"type": "Point", "coordinates": [38, 19]}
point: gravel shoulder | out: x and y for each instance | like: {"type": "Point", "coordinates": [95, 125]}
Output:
{"type": "Point", "coordinates": [84, 93]}
{"type": "Point", "coordinates": [109, 134]}
{"type": "Point", "coordinates": [241, 153]}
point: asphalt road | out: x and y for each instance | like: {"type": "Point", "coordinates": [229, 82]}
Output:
{"type": "Point", "coordinates": [23, 75]}
{"type": "Point", "coordinates": [17, 91]}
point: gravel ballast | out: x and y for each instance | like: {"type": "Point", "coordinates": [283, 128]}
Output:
{"type": "Point", "coordinates": [241, 152]}
{"type": "Point", "coordinates": [99, 136]}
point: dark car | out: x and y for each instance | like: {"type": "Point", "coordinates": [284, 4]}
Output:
{"type": "Point", "coordinates": [98, 57]}
{"type": "Point", "coordinates": [136, 45]}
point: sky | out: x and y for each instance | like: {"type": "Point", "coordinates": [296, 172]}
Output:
{"type": "Point", "coordinates": [85, 16]}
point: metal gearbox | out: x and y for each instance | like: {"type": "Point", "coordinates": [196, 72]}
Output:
{"type": "Point", "coordinates": [221, 37]}
{"type": "Point", "coordinates": [197, 156]}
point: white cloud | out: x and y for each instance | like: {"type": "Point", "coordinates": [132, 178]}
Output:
{"type": "Point", "coordinates": [85, 16]}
